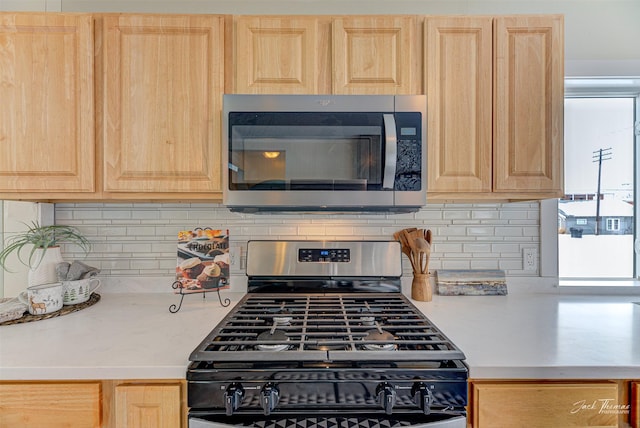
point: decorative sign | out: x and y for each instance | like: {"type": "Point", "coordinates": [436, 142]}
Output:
{"type": "Point", "coordinates": [203, 260]}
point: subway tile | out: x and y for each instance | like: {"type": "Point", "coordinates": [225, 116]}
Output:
{"type": "Point", "coordinates": [144, 264]}
{"type": "Point", "coordinates": [447, 247]}
{"type": "Point", "coordinates": [508, 231]}
{"type": "Point", "coordinates": [485, 215]}
{"type": "Point", "coordinates": [307, 230]}
{"type": "Point", "coordinates": [456, 214]}
{"type": "Point", "coordinates": [120, 214]}
{"type": "Point", "coordinates": [465, 236]}
{"type": "Point", "coordinates": [484, 264]}
{"type": "Point", "coordinates": [482, 230]}
{"type": "Point", "coordinates": [87, 215]}
{"type": "Point", "coordinates": [477, 248]}
{"type": "Point", "coordinates": [137, 248]}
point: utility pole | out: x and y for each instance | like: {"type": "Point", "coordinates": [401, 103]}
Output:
{"type": "Point", "coordinates": [599, 156]}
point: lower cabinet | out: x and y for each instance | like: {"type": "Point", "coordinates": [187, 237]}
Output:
{"type": "Point", "coordinates": [551, 404]}
{"type": "Point", "coordinates": [50, 404]}
{"type": "Point", "coordinates": [157, 406]}
{"type": "Point", "coordinates": [635, 404]}
{"type": "Point", "coordinates": [93, 404]}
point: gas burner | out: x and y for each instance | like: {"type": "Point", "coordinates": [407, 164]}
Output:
{"type": "Point", "coordinates": [381, 336]}
{"type": "Point", "coordinates": [368, 320]}
{"type": "Point", "coordinates": [282, 319]}
{"type": "Point", "coordinates": [272, 335]}
{"type": "Point", "coordinates": [282, 315]}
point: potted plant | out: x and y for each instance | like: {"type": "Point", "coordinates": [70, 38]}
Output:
{"type": "Point", "coordinates": [38, 247]}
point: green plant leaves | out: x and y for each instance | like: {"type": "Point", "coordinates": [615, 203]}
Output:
{"type": "Point", "coordinates": [44, 237]}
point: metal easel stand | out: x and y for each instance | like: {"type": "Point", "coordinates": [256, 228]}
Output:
{"type": "Point", "coordinates": [178, 285]}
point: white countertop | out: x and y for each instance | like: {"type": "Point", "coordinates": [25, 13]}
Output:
{"type": "Point", "coordinates": [123, 336]}
{"type": "Point", "coordinates": [542, 336]}
{"type": "Point", "coordinates": [519, 336]}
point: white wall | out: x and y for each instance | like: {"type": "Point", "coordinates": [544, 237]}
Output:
{"type": "Point", "coordinates": [15, 215]}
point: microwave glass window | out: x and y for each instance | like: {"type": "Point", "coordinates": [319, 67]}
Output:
{"type": "Point", "coordinates": [305, 157]}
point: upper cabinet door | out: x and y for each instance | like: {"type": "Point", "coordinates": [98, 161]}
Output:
{"type": "Point", "coordinates": [46, 88]}
{"type": "Point", "coordinates": [458, 67]}
{"type": "Point", "coordinates": [375, 55]}
{"type": "Point", "coordinates": [277, 55]}
{"type": "Point", "coordinates": [163, 87]}
{"type": "Point", "coordinates": [529, 103]}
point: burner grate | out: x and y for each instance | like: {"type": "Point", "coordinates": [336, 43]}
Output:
{"type": "Point", "coordinates": [326, 327]}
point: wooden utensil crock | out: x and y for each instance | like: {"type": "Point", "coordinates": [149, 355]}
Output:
{"type": "Point", "coordinates": [421, 287]}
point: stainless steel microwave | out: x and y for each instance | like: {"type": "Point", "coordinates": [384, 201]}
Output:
{"type": "Point", "coordinates": [324, 152]}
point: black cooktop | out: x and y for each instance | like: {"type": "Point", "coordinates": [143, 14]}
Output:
{"type": "Point", "coordinates": [326, 327]}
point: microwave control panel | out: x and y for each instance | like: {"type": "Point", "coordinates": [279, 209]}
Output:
{"type": "Point", "coordinates": [324, 255]}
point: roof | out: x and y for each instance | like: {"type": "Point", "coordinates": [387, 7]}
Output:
{"type": "Point", "coordinates": [608, 208]}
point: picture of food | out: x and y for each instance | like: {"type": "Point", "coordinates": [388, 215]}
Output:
{"type": "Point", "coordinates": [192, 267]}
{"type": "Point", "coordinates": [203, 260]}
{"type": "Point", "coordinates": [210, 276]}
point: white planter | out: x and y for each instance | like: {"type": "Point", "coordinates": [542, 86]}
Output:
{"type": "Point", "coordinates": [44, 266]}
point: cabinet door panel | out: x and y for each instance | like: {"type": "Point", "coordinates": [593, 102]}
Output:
{"type": "Point", "coordinates": [529, 103]}
{"type": "Point", "coordinates": [163, 88]}
{"type": "Point", "coordinates": [46, 88]}
{"type": "Point", "coordinates": [277, 55]}
{"type": "Point", "coordinates": [50, 405]}
{"type": "Point", "coordinates": [458, 68]}
{"type": "Point", "coordinates": [544, 405]}
{"type": "Point", "coordinates": [148, 406]}
{"type": "Point", "coordinates": [374, 55]}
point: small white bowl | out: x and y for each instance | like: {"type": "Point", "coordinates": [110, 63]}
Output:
{"type": "Point", "coordinates": [42, 299]}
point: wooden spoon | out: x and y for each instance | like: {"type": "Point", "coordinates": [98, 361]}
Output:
{"type": "Point", "coordinates": [424, 249]}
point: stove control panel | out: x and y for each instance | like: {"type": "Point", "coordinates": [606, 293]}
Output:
{"type": "Point", "coordinates": [324, 255]}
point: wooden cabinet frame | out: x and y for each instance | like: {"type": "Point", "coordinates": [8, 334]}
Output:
{"type": "Point", "coordinates": [495, 89]}
{"type": "Point", "coordinates": [47, 119]}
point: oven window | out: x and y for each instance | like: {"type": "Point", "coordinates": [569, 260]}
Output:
{"type": "Point", "coordinates": [302, 151]}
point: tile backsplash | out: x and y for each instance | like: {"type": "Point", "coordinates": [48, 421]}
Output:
{"type": "Point", "coordinates": [139, 239]}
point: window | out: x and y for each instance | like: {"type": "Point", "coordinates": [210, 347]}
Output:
{"type": "Point", "coordinates": [597, 218]}
{"type": "Point", "coordinates": [613, 224]}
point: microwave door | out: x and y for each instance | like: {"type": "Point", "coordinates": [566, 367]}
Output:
{"type": "Point", "coordinates": [390, 151]}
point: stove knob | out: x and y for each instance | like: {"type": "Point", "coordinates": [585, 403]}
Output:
{"type": "Point", "coordinates": [422, 396]}
{"type": "Point", "coordinates": [269, 396]}
{"type": "Point", "coordinates": [386, 397]}
{"type": "Point", "coordinates": [233, 396]}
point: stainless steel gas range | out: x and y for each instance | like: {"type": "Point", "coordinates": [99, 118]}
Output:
{"type": "Point", "coordinates": [325, 338]}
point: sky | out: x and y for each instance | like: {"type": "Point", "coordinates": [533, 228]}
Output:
{"type": "Point", "coordinates": [592, 124]}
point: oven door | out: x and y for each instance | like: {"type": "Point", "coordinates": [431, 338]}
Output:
{"type": "Point", "coordinates": [441, 421]}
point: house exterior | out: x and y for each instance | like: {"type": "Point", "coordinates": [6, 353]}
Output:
{"type": "Point", "coordinates": [579, 217]}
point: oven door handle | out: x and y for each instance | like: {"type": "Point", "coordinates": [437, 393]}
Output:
{"type": "Point", "coordinates": [390, 151]}
{"type": "Point", "coordinates": [201, 423]}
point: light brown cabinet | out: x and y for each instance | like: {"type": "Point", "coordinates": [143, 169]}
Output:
{"type": "Point", "coordinates": [50, 404]}
{"type": "Point", "coordinates": [278, 54]}
{"type": "Point", "coordinates": [549, 404]}
{"type": "Point", "coordinates": [495, 94]}
{"type": "Point", "coordinates": [458, 66]}
{"type": "Point", "coordinates": [94, 404]}
{"type": "Point", "coordinates": [528, 104]}
{"type": "Point", "coordinates": [134, 110]}
{"type": "Point", "coordinates": [47, 114]}
{"type": "Point", "coordinates": [321, 55]}
{"type": "Point", "coordinates": [163, 84]}
{"type": "Point", "coordinates": [635, 404]}
{"type": "Point", "coordinates": [375, 55]}
{"type": "Point", "coordinates": [148, 405]}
